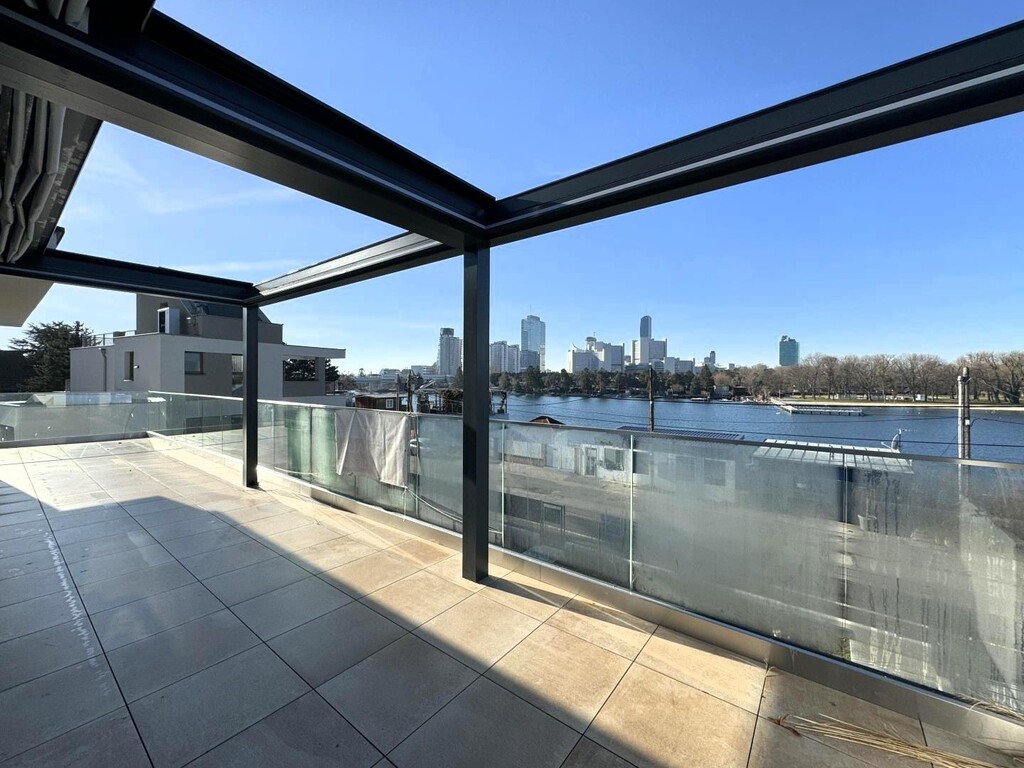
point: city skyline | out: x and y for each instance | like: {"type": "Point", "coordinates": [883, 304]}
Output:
{"type": "Point", "coordinates": [863, 255]}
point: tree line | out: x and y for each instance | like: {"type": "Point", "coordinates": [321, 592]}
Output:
{"type": "Point", "coordinates": [996, 377]}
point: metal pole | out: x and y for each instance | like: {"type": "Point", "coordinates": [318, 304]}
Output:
{"type": "Point", "coordinates": [650, 393]}
{"type": "Point", "coordinates": [632, 475]}
{"type": "Point", "coordinates": [963, 427]}
{"type": "Point", "coordinates": [963, 430]}
{"type": "Point", "coordinates": [476, 402]}
{"type": "Point", "coordinates": [250, 395]}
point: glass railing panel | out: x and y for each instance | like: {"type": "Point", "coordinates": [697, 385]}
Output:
{"type": "Point", "coordinates": [57, 416]}
{"type": "Point", "coordinates": [436, 470]}
{"type": "Point", "coordinates": [566, 498]}
{"type": "Point", "coordinates": [370, 462]}
{"type": "Point", "coordinates": [754, 541]}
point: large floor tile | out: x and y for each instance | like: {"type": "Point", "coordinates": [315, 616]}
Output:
{"type": "Point", "coordinates": [110, 566]}
{"type": "Point", "coordinates": [40, 653]}
{"type": "Point", "coordinates": [589, 754]}
{"type": "Point", "coordinates": [370, 573]}
{"type": "Point", "coordinates": [788, 694]}
{"type": "Point", "coordinates": [32, 513]}
{"type": "Point", "coordinates": [253, 580]}
{"type": "Point", "coordinates": [959, 745]}
{"type": "Point", "coordinates": [394, 691]}
{"type": "Point", "coordinates": [526, 595]}
{"type": "Point", "coordinates": [601, 625]}
{"type": "Point", "coordinates": [416, 599]}
{"type": "Point", "coordinates": [775, 746]}
{"type": "Point", "coordinates": [119, 542]}
{"type": "Point", "coordinates": [451, 569]}
{"type": "Point", "coordinates": [87, 517]}
{"type": "Point", "coordinates": [423, 553]}
{"type": "Point", "coordinates": [285, 521]}
{"type": "Point", "coordinates": [24, 530]}
{"type": "Point", "coordinates": [96, 530]}
{"type": "Point", "coordinates": [218, 561]}
{"type": "Point", "coordinates": [712, 670]}
{"type": "Point", "coordinates": [286, 608]}
{"type": "Point", "coordinates": [487, 725]}
{"type": "Point", "coordinates": [28, 562]}
{"type": "Point", "coordinates": [184, 720]}
{"type": "Point", "coordinates": [110, 593]}
{"type": "Point", "coordinates": [331, 554]}
{"type": "Point", "coordinates": [300, 538]}
{"type": "Point", "coordinates": [182, 528]}
{"type": "Point", "coordinates": [107, 741]}
{"type": "Point", "coordinates": [477, 631]}
{"type": "Point", "coordinates": [207, 541]}
{"type": "Point", "coordinates": [156, 661]}
{"type": "Point", "coordinates": [42, 709]}
{"type": "Point", "coordinates": [142, 618]}
{"type": "Point", "coordinates": [327, 646]}
{"type": "Point", "coordinates": [653, 720]}
{"type": "Point", "coordinates": [557, 672]}
{"type": "Point", "coordinates": [36, 542]}
{"type": "Point", "coordinates": [39, 613]}
{"type": "Point", "coordinates": [173, 514]}
{"type": "Point", "coordinates": [32, 585]}
{"type": "Point", "coordinates": [305, 734]}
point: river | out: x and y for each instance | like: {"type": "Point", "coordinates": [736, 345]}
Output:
{"type": "Point", "coordinates": [996, 435]}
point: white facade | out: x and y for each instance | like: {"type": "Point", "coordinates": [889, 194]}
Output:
{"type": "Point", "coordinates": [503, 357]}
{"type": "Point", "coordinates": [193, 348]}
{"type": "Point", "coordinates": [534, 338]}
{"type": "Point", "coordinates": [156, 362]}
{"type": "Point", "coordinates": [646, 350]}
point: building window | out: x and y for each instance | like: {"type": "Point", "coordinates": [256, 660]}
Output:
{"type": "Point", "coordinates": [193, 362]}
{"type": "Point", "coordinates": [129, 366]}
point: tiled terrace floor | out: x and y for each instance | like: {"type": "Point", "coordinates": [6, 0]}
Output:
{"type": "Point", "coordinates": [155, 613]}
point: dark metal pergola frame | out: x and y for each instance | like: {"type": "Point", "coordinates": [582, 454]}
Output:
{"type": "Point", "coordinates": [142, 70]}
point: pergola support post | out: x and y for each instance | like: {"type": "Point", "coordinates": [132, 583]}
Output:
{"type": "Point", "coordinates": [476, 409]}
{"type": "Point", "coordinates": [250, 395]}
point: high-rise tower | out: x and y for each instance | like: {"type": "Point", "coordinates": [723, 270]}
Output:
{"type": "Point", "coordinates": [533, 338]}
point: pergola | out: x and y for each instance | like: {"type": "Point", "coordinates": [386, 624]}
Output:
{"type": "Point", "coordinates": [81, 62]}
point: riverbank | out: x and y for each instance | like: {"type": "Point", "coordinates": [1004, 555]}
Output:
{"type": "Point", "coordinates": [943, 404]}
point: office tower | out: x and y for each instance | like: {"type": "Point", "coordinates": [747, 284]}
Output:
{"type": "Point", "coordinates": [789, 352]}
{"type": "Point", "coordinates": [645, 327]}
{"type": "Point", "coordinates": [449, 353]}
{"type": "Point", "coordinates": [533, 338]}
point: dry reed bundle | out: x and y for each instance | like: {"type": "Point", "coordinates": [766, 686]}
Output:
{"type": "Point", "coordinates": [887, 742]}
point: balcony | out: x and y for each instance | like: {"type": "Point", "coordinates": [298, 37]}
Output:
{"type": "Point", "coordinates": [154, 612]}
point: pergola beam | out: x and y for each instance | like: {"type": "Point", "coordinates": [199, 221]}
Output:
{"type": "Point", "coordinates": [965, 83]}
{"type": "Point", "coordinates": [388, 256]}
{"type": "Point", "coordinates": [172, 84]}
{"type": "Point", "coordinates": [107, 274]}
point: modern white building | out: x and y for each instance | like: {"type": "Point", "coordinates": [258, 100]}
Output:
{"type": "Point", "coordinates": [646, 350]}
{"type": "Point", "coordinates": [449, 353]}
{"type": "Point", "coordinates": [534, 338]}
{"type": "Point", "coordinates": [196, 348]}
{"type": "Point", "coordinates": [504, 357]}
{"type": "Point", "coordinates": [597, 356]}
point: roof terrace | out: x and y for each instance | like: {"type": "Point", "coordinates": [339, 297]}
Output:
{"type": "Point", "coordinates": [152, 612]}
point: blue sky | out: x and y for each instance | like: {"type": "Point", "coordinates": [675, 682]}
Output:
{"type": "Point", "coordinates": [912, 248]}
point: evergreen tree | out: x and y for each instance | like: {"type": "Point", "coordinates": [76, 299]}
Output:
{"type": "Point", "coordinates": [47, 347]}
